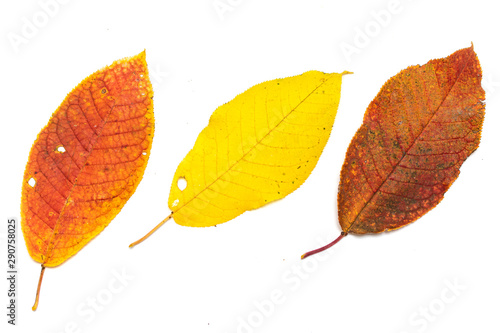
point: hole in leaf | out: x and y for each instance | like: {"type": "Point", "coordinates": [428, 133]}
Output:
{"type": "Point", "coordinates": [104, 90]}
{"type": "Point", "coordinates": [60, 149]}
{"type": "Point", "coordinates": [32, 182]}
{"type": "Point", "coordinates": [144, 153]}
{"type": "Point", "coordinates": [182, 183]}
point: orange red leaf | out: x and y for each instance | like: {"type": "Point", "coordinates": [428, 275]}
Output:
{"type": "Point", "coordinates": [416, 133]}
{"type": "Point", "coordinates": [87, 161]}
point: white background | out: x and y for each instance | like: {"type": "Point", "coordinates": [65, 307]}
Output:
{"type": "Point", "coordinates": [210, 279]}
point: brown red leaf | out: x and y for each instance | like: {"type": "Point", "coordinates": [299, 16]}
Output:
{"type": "Point", "coordinates": [87, 161]}
{"type": "Point", "coordinates": [416, 133]}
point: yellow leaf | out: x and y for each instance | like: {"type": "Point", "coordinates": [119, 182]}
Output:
{"type": "Point", "coordinates": [257, 148]}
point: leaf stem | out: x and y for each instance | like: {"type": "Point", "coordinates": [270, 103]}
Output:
{"type": "Point", "coordinates": [327, 246]}
{"type": "Point", "coordinates": [35, 306]}
{"type": "Point", "coordinates": [152, 231]}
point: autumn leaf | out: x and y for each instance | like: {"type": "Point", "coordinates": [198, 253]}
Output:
{"type": "Point", "coordinates": [416, 133]}
{"type": "Point", "coordinates": [256, 149]}
{"type": "Point", "coordinates": [87, 161]}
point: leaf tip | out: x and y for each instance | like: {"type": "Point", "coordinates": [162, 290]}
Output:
{"type": "Point", "coordinates": [345, 73]}
{"type": "Point", "coordinates": [141, 57]}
